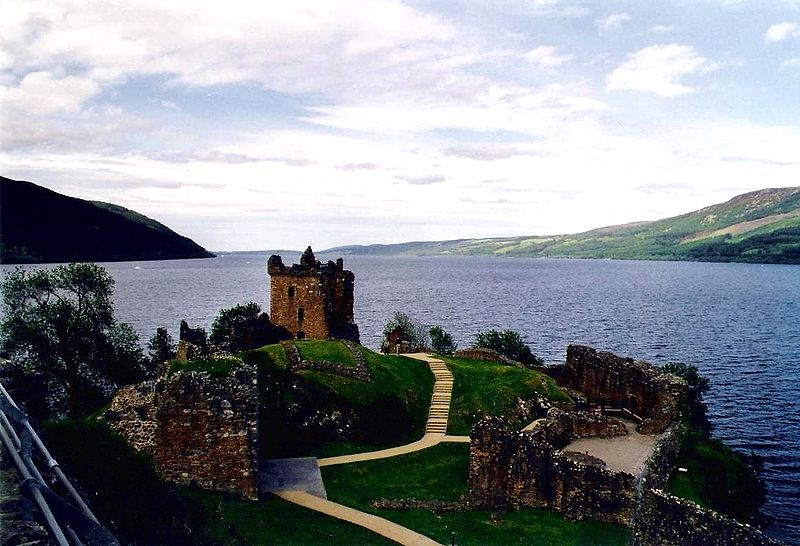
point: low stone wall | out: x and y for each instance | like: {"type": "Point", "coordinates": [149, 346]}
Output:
{"type": "Point", "coordinates": [661, 519]}
{"type": "Point", "coordinates": [512, 470]}
{"type": "Point", "coordinates": [653, 396]}
{"type": "Point", "coordinates": [359, 371]}
{"type": "Point", "coordinates": [479, 353]}
{"type": "Point", "coordinates": [198, 429]}
{"type": "Point", "coordinates": [561, 427]}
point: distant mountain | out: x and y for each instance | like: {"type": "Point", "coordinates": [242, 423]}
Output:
{"type": "Point", "coordinates": [761, 226]}
{"type": "Point", "coordinates": [38, 225]}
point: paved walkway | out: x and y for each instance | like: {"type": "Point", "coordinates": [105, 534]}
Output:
{"type": "Point", "coordinates": [435, 432]}
{"type": "Point", "coordinates": [383, 527]}
{"type": "Point", "coordinates": [435, 428]}
{"type": "Point", "coordinates": [295, 474]}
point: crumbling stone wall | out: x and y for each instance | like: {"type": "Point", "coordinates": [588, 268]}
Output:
{"type": "Point", "coordinates": [561, 427]}
{"type": "Point", "coordinates": [661, 519]}
{"type": "Point", "coordinates": [513, 470]}
{"type": "Point", "coordinates": [312, 300]}
{"type": "Point", "coordinates": [198, 429]}
{"type": "Point", "coordinates": [479, 353]}
{"type": "Point", "coordinates": [636, 386]}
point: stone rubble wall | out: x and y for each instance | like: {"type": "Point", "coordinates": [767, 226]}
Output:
{"type": "Point", "coordinates": [198, 429]}
{"type": "Point", "coordinates": [637, 386]}
{"type": "Point", "coordinates": [359, 371]}
{"type": "Point", "coordinates": [512, 470]}
{"type": "Point", "coordinates": [479, 353]}
{"type": "Point", "coordinates": [661, 519]}
{"type": "Point", "coordinates": [561, 427]}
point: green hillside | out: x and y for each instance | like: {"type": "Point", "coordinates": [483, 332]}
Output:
{"type": "Point", "coordinates": [761, 226]}
{"type": "Point", "coordinates": [38, 225]}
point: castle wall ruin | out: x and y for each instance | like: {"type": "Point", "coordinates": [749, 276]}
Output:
{"type": "Point", "coordinates": [199, 430]}
{"type": "Point", "coordinates": [640, 388]}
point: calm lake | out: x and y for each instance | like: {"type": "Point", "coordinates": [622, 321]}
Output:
{"type": "Point", "coordinates": [740, 324]}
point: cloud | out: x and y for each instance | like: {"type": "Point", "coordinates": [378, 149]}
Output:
{"type": "Point", "coordinates": [790, 63]}
{"type": "Point", "coordinates": [422, 180]}
{"type": "Point", "coordinates": [547, 56]}
{"type": "Point", "coordinates": [612, 22]}
{"type": "Point", "coordinates": [662, 28]}
{"type": "Point", "coordinates": [659, 69]}
{"type": "Point", "coordinates": [43, 93]}
{"type": "Point", "coordinates": [781, 31]}
{"type": "Point", "coordinates": [489, 152]}
{"type": "Point", "coordinates": [351, 167]}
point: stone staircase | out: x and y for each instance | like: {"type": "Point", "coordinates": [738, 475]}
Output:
{"type": "Point", "coordinates": [440, 402]}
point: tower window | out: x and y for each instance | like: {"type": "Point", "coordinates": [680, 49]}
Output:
{"type": "Point", "coordinates": [291, 291]}
{"type": "Point", "coordinates": [300, 313]}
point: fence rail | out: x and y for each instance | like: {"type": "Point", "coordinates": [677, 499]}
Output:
{"type": "Point", "coordinates": [69, 522]}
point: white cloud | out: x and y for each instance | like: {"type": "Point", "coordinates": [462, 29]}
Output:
{"type": "Point", "coordinates": [613, 21]}
{"type": "Point", "coordinates": [547, 56]}
{"type": "Point", "coordinates": [790, 63]}
{"type": "Point", "coordinates": [659, 69]}
{"type": "Point", "coordinates": [42, 93]}
{"type": "Point", "coordinates": [781, 31]}
{"type": "Point", "coordinates": [662, 28]}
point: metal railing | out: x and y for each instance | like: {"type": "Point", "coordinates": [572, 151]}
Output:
{"type": "Point", "coordinates": [68, 522]}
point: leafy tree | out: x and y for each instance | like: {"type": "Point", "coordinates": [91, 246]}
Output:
{"type": "Point", "coordinates": [244, 327]}
{"type": "Point", "coordinates": [508, 343]}
{"type": "Point", "coordinates": [441, 341]}
{"type": "Point", "coordinates": [59, 329]}
{"type": "Point", "coordinates": [698, 386]}
{"type": "Point", "coordinates": [161, 347]}
{"type": "Point", "coordinates": [409, 330]}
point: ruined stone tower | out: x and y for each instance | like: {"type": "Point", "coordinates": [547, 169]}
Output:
{"type": "Point", "coordinates": [312, 300]}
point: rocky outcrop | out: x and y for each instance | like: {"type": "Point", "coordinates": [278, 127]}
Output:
{"type": "Point", "coordinates": [198, 429]}
{"type": "Point", "coordinates": [513, 470]}
{"type": "Point", "coordinates": [637, 387]}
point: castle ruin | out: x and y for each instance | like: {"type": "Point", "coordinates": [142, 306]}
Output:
{"type": "Point", "coordinates": [312, 300]}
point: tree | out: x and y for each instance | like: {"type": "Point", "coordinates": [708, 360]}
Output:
{"type": "Point", "coordinates": [508, 343]}
{"type": "Point", "coordinates": [243, 327]}
{"type": "Point", "coordinates": [161, 347]}
{"type": "Point", "coordinates": [441, 341]}
{"type": "Point", "coordinates": [405, 329]}
{"type": "Point", "coordinates": [59, 329]}
{"type": "Point", "coordinates": [698, 386]}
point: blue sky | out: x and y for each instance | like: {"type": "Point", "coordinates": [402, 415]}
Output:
{"type": "Point", "coordinates": [276, 125]}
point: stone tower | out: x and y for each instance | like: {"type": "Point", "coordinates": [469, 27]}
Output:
{"type": "Point", "coordinates": [312, 300]}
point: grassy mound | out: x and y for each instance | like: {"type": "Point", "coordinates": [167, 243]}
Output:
{"type": "Point", "coordinates": [718, 478]}
{"type": "Point", "coordinates": [484, 388]}
{"type": "Point", "coordinates": [312, 412]}
{"type": "Point", "coordinates": [440, 473]}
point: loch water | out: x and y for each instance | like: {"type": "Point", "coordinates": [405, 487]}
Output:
{"type": "Point", "coordinates": [739, 323]}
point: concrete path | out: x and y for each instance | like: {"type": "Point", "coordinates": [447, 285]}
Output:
{"type": "Point", "coordinates": [381, 526]}
{"type": "Point", "coordinates": [435, 428]}
{"type": "Point", "coordinates": [295, 474]}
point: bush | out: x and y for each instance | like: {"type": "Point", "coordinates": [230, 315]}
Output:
{"type": "Point", "coordinates": [245, 327]}
{"type": "Point", "coordinates": [696, 410]}
{"type": "Point", "coordinates": [401, 328]}
{"type": "Point", "coordinates": [442, 342]}
{"type": "Point", "coordinates": [508, 343]}
{"type": "Point", "coordinates": [161, 347]}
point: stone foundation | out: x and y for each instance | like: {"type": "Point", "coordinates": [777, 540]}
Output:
{"type": "Point", "coordinates": [638, 387]}
{"type": "Point", "coordinates": [513, 470]}
{"type": "Point", "coordinates": [479, 353]}
{"type": "Point", "coordinates": [198, 429]}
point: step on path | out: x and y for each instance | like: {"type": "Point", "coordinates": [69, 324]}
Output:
{"type": "Point", "coordinates": [436, 427]}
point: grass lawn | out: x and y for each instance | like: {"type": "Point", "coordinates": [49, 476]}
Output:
{"type": "Point", "coordinates": [275, 522]}
{"type": "Point", "coordinates": [717, 478]}
{"type": "Point", "coordinates": [332, 351]}
{"type": "Point", "coordinates": [489, 388]}
{"type": "Point", "coordinates": [440, 473]}
{"type": "Point", "coordinates": [388, 411]}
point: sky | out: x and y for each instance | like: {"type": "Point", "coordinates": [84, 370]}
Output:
{"type": "Point", "coordinates": [259, 125]}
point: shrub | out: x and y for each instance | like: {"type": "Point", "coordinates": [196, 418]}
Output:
{"type": "Point", "coordinates": [441, 341]}
{"type": "Point", "coordinates": [508, 343]}
{"type": "Point", "coordinates": [405, 329]}
{"type": "Point", "coordinates": [161, 347]}
{"type": "Point", "coordinates": [245, 327]}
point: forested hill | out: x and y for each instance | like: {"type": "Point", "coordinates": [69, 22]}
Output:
{"type": "Point", "coordinates": [38, 225]}
{"type": "Point", "coordinates": [761, 226]}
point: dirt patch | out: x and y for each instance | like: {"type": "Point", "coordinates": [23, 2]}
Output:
{"type": "Point", "coordinates": [620, 453]}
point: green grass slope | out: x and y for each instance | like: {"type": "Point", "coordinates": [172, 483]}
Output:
{"type": "Point", "coordinates": [761, 226]}
{"type": "Point", "coordinates": [38, 225]}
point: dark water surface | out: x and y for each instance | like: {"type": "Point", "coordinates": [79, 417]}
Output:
{"type": "Point", "coordinates": [739, 323]}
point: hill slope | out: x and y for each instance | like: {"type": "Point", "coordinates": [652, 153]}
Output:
{"type": "Point", "coordinates": [38, 225]}
{"type": "Point", "coordinates": [761, 226]}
